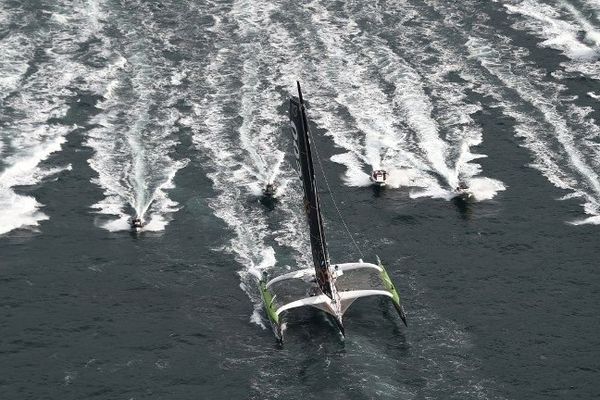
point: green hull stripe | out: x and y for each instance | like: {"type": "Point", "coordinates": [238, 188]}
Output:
{"type": "Point", "coordinates": [267, 298]}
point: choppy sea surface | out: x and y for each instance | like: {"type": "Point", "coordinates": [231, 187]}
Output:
{"type": "Point", "coordinates": [177, 110]}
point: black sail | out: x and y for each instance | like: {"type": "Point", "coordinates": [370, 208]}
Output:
{"type": "Point", "coordinates": [312, 208]}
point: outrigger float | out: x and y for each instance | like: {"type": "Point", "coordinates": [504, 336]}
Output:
{"type": "Point", "coordinates": [328, 287]}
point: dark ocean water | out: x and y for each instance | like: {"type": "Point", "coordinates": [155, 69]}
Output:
{"type": "Point", "coordinates": [178, 110]}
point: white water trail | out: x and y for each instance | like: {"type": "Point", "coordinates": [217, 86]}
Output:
{"type": "Point", "coordinates": [374, 137]}
{"type": "Point", "coordinates": [261, 127]}
{"type": "Point", "coordinates": [556, 132]}
{"type": "Point", "coordinates": [16, 49]}
{"type": "Point", "coordinates": [238, 131]}
{"type": "Point", "coordinates": [401, 132]}
{"type": "Point", "coordinates": [34, 101]}
{"type": "Point", "coordinates": [559, 134]}
{"type": "Point", "coordinates": [135, 134]}
{"type": "Point", "coordinates": [563, 27]}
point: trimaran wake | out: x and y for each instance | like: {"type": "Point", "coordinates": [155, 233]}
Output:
{"type": "Point", "coordinates": [329, 287]}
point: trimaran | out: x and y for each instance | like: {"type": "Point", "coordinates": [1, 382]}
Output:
{"type": "Point", "coordinates": [329, 287]}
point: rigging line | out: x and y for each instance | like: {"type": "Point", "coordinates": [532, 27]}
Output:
{"type": "Point", "coordinates": [335, 204]}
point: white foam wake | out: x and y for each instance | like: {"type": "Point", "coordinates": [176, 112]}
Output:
{"type": "Point", "coordinates": [17, 210]}
{"type": "Point", "coordinates": [17, 50]}
{"type": "Point", "coordinates": [559, 134]}
{"type": "Point", "coordinates": [135, 133]}
{"type": "Point", "coordinates": [238, 132]}
{"type": "Point", "coordinates": [555, 131]}
{"type": "Point", "coordinates": [563, 27]}
{"type": "Point", "coordinates": [33, 102]}
{"type": "Point", "coordinates": [404, 132]}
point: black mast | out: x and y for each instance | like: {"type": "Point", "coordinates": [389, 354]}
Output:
{"type": "Point", "coordinates": [301, 135]}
